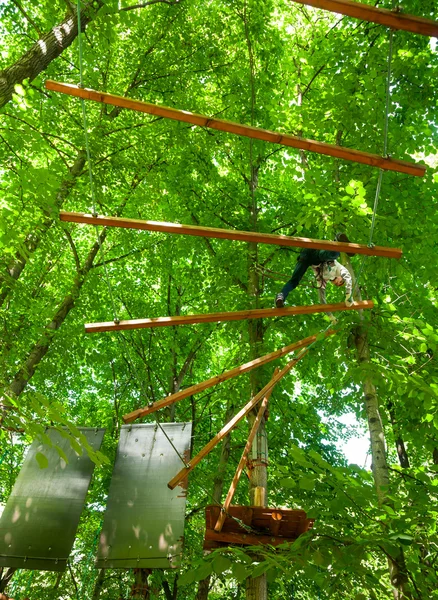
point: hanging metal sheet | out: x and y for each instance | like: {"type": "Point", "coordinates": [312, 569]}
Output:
{"type": "Point", "coordinates": [39, 522]}
{"type": "Point", "coordinates": [144, 520]}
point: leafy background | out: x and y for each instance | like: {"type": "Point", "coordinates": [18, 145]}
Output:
{"type": "Point", "coordinates": [277, 65]}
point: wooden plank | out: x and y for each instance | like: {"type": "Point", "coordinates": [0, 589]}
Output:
{"type": "Point", "coordinates": [284, 139]}
{"type": "Point", "coordinates": [250, 539]}
{"type": "Point", "coordinates": [203, 385]}
{"type": "Point", "coordinates": [239, 315]}
{"type": "Point", "coordinates": [229, 234]}
{"type": "Point", "coordinates": [243, 458]}
{"type": "Point", "coordinates": [234, 422]}
{"type": "Point", "coordinates": [383, 16]}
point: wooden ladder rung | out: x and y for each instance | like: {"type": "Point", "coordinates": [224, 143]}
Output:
{"type": "Point", "coordinates": [229, 234]}
{"type": "Point", "coordinates": [239, 315]}
{"type": "Point", "coordinates": [383, 16]}
{"type": "Point", "coordinates": [284, 139]}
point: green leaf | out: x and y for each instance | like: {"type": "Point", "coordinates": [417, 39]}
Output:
{"type": "Point", "coordinates": [240, 572]}
{"type": "Point", "coordinates": [260, 569]}
{"type": "Point", "coordinates": [187, 578]}
{"type": "Point", "coordinates": [288, 482]}
{"type": "Point", "coordinates": [61, 453]}
{"type": "Point", "coordinates": [42, 460]}
{"type": "Point", "coordinates": [203, 571]}
{"type": "Point", "coordinates": [221, 564]}
{"type": "Point", "coordinates": [307, 483]}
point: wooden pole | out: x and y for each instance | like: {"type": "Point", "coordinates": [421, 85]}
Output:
{"type": "Point", "coordinates": [383, 16]}
{"type": "Point", "coordinates": [242, 462]}
{"type": "Point", "coordinates": [239, 315]}
{"type": "Point", "coordinates": [229, 234]}
{"type": "Point", "coordinates": [284, 139]}
{"type": "Point", "coordinates": [203, 385]}
{"type": "Point", "coordinates": [233, 422]}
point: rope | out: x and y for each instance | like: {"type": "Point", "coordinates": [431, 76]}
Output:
{"type": "Point", "coordinates": [385, 152]}
{"type": "Point", "coordinates": [385, 136]}
{"type": "Point", "coordinates": [90, 171]}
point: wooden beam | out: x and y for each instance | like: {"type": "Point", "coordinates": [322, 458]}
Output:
{"type": "Point", "coordinates": [229, 234]}
{"type": "Point", "coordinates": [251, 539]}
{"type": "Point", "coordinates": [208, 383]}
{"type": "Point", "coordinates": [234, 422]}
{"type": "Point", "coordinates": [284, 139]}
{"type": "Point", "coordinates": [383, 16]}
{"type": "Point", "coordinates": [243, 459]}
{"type": "Point", "coordinates": [238, 315]}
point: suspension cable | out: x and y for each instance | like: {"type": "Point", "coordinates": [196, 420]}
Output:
{"type": "Point", "coordinates": [385, 152]}
{"type": "Point", "coordinates": [90, 170]}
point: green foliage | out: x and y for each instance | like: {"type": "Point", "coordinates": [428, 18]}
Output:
{"type": "Point", "coordinates": [311, 75]}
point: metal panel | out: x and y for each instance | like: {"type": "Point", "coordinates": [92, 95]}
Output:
{"type": "Point", "coordinates": [144, 520]}
{"type": "Point", "coordinates": [38, 525]}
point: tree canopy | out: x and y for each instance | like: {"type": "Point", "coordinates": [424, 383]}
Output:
{"type": "Point", "coordinates": [288, 68]}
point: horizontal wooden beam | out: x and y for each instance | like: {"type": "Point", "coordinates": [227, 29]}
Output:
{"type": "Point", "coordinates": [284, 139]}
{"type": "Point", "coordinates": [208, 383]}
{"type": "Point", "coordinates": [234, 422]}
{"type": "Point", "coordinates": [238, 315]}
{"type": "Point", "coordinates": [383, 16]}
{"type": "Point", "coordinates": [251, 539]}
{"type": "Point", "coordinates": [229, 234]}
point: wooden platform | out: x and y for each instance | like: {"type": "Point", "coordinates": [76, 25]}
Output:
{"type": "Point", "coordinates": [273, 526]}
{"type": "Point", "coordinates": [238, 315]}
{"type": "Point", "coordinates": [383, 16]}
{"type": "Point", "coordinates": [284, 139]}
{"type": "Point", "coordinates": [230, 234]}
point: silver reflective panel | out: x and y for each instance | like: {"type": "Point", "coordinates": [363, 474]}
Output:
{"type": "Point", "coordinates": [144, 520]}
{"type": "Point", "coordinates": [38, 525]}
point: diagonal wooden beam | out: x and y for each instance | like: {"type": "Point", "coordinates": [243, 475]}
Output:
{"type": "Point", "coordinates": [238, 315]}
{"type": "Point", "coordinates": [223, 515]}
{"type": "Point", "coordinates": [229, 234]}
{"type": "Point", "coordinates": [383, 16]}
{"type": "Point", "coordinates": [208, 383]}
{"type": "Point", "coordinates": [284, 139]}
{"type": "Point", "coordinates": [234, 422]}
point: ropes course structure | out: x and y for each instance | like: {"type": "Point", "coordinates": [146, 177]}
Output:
{"type": "Point", "coordinates": [262, 398]}
{"type": "Point", "coordinates": [223, 512]}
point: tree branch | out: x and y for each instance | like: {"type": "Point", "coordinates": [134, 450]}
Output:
{"type": "Point", "coordinates": [26, 16]}
{"type": "Point", "coordinates": [145, 4]}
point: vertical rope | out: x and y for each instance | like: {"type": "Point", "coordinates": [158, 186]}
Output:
{"type": "Point", "coordinates": [90, 171]}
{"type": "Point", "coordinates": [385, 136]}
{"type": "Point", "coordinates": [385, 153]}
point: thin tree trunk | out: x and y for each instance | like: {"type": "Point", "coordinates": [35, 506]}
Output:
{"type": "Point", "coordinates": [42, 346]}
{"type": "Point", "coordinates": [140, 589]}
{"type": "Point", "coordinates": [98, 585]}
{"type": "Point", "coordinates": [33, 239]}
{"type": "Point", "coordinates": [6, 578]}
{"type": "Point", "coordinates": [256, 588]}
{"type": "Point", "coordinates": [399, 443]}
{"type": "Point", "coordinates": [49, 47]}
{"type": "Point", "coordinates": [397, 566]}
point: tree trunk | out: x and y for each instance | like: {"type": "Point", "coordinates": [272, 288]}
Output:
{"type": "Point", "coordinates": [397, 566]}
{"type": "Point", "coordinates": [6, 578]}
{"type": "Point", "coordinates": [256, 588]}
{"type": "Point", "coordinates": [98, 585]}
{"type": "Point", "coordinates": [399, 443]}
{"type": "Point", "coordinates": [140, 588]}
{"type": "Point", "coordinates": [42, 346]}
{"type": "Point", "coordinates": [33, 239]}
{"type": "Point", "coordinates": [49, 47]}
